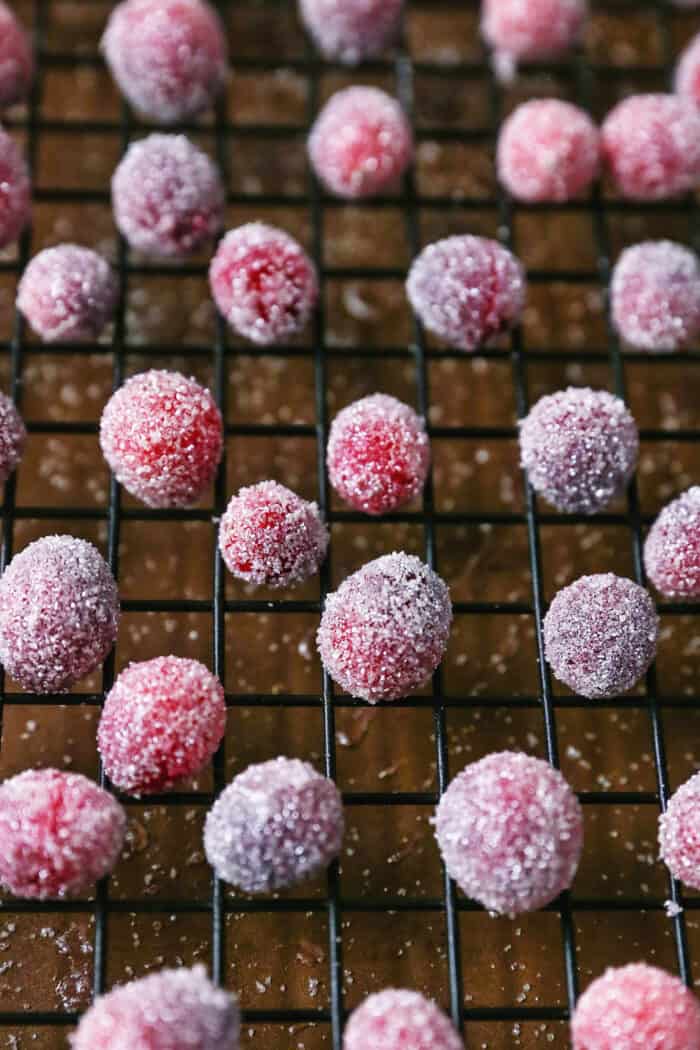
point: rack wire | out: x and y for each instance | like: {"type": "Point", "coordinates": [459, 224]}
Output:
{"type": "Point", "coordinates": [336, 905]}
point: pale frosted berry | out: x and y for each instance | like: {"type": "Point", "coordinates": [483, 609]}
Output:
{"type": "Point", "coordinates": [548, 150]}
{"type": "Point", "coordinates": [636, 1006]}
{"type": "Point", "coordinates": [360, 143]}
{"type": "Point", "coordinates": [15, 191]}
{"type": "Point", "coordinates": [466, 289]}
{"type": "Point", "coordinates": [168, 57]}
{"type": "Point", "coordinates": [378, 454]}
{"type": "Point", "coordinates": [386, 628]}
{"type": "Point", "coordinates": [580, 448]}
{"type": "Point", "coordinates": [60, 833]}
{"type": "Point", "coordinates": [263, 283]}
{"type": "Point", "coordinates": [687, 76]}
{"type": "Point", "coordinates": [510, 831]}
{"type": "Point", "coordinates": [679, 833]}
{"type": "Point", "coordinates": [672, 548]}
{"type": "Point", "coordinates": [68, 293]}
{"type": "Point", "coordinates": [162, 435]}
{"type": "Point", "coordinates": [167, 196]}
{"type": "Point", "coordinates": [655, 295]}
{"type": "Point", "coordinates": [276, 824]}
{"type": "Point", "coordinates": [270, 536]}
{"type": "Point", "coordinates": [169, 1010]}
{"type": "Point", "coordinates": [398, 1019]}
{"type": "Point", "coordinates": [600, 635]}
{"type": "Point", "coordinates": [351, 30]}
{"type": "Point", "coordinates": [59, 613]}
{"type": "Point", "coordinates": [16, 58]}
{"type": "Point", "coordinates": [13, 437]}
{"type": "Point", "coordinates": [530, 30]}
{"type": "Point", "coordinates": [162, 721]}
{"type": "Point", "coordinates": [651, 146]}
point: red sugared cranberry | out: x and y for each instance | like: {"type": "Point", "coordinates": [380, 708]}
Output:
{"type": "Point", "coordinates": [67, 293]}
{"type": "Point", "coordinates": [655, 295]}
{"type": "Point", "coordinates": [398, 1019]}
{"type": "Point", "coordinates": [351, 30]}
{"type": "Point", "coordinates": [16, 58]}
{"type": "Point", "coordinates": [168, 57]}
{"type": "Point", "coordinates": [162, 435]}
{"type": "Point", "coordinates": [672, 548]}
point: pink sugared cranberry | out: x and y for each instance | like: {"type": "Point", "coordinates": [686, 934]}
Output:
{"type": "Point", "coordinates": [351, 30]}
{"type": "Point", "coordinates": [162, 435]}
{"type": "Point", "coordinates": [168, 57]}
{"type": "Point", "coordinates": [548, 150]}
{"type": "Point", "coordinates": [272, 537]}
{"type": "Point", "coordinates": [15, 191]}
{"type": "Point", "coordinates": [59, 613]}
{"type": "Point", "coordinates": [378, 454]}
{"type": "Point", "coordinates": [398, 1019]}
{"type": "Point", "coordinates": [13, 436]}
{"type": "Point", "coordinates": [360, 143]}
{"type": "Point", "coordinates": [636, 1006]}
{"type": "Point", "coordinates": [655, 295]}
{"type": "Point", "coordinates": [276, 824]}
{"type": "Point", "coordinates": [68, 293]}
{"type": "Point", "coordinates": [530, 30]}
{"type": "Point", "coordinates": [16, 58]}
{"type": "Point", "coordinates": [672, 548]}
{"type": "Point", "coordinates": [386, 628]}
{"type": "Point", "coordinates": [687, 76]}
{"type": "Point", "coordinates": [167, 196]}
{"type": "Point", "coordinates": [169, 1010]}
{"type": "Point", "coordinates": [60, 833]}
{"type": "Point", "coordinates": [579, 447]}
{"type": "Point", "coordinates": [466, 289]}
{"type": "Point", "coordinates": [600, 635]}
{"type": "Point", "coordinates": [651, 146]}
{"type": "Point", "coordinates": [263, 283]}
{"type": "Point", "coordinates": [679, 833]}
{"type": "Point", "coordinates": [510, 831]}
{"type": "Point", "coordinates": [162, 721]}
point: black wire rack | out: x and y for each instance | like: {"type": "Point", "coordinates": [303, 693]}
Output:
{"type": "Point", "coordinates": [220, 353]}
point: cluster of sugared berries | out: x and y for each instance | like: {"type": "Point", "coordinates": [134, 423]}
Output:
{"type": "Point", "coordinates": [509, 827]}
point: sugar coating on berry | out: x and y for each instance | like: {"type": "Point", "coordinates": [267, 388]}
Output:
{"type": "Point", "coordinates": [672, 548]}
{"type": "Point", "coordinates": [167, 196]}
{"type": "Point", "coordinates": [386, 628]}
{"type": "Point", "coordinates": [162, 720]}
{"type": "Point", "coordinates": [168, 57]}
{"type": "Point", "coordinates": [651, 146]}
{"type": "Point", "coordinates": [466, 289]}
{"type": "Point", "coordinates": [361, 142]}
{"type": "Point", "coordinates": [13, 437]}
{"type": "Point", "coordinates": [580, 448]}
{"type": "Point", "coordinates": [655, 295]}
{"type": "Point", "coordinates": [378, 454]}
{"type": "Point", "coordinates": [169, 1010]}
{"type": "Point", "coordinates": [548, 150]}
{"type": "Point", "coordinates": [16, 58]}
{"type": "Point", "coordinates": [60, 833]}
{"type": "Point", "coordinates": [276, 824]}
{"type": "Point", "coordinates": [399, 1019]}
{"type": "Point", "coordinates": [162, 435]}
{"type": "Point", "coordinates": [530, 29]}
{"type": "Point", "coordinates": [15, 191]}
{"type": "Point", "coordinates": [679, 833]}
{"type": "Point", "coordinates": [687, 75]}
{"type": "Point", "coordinates": [636, 1006]}
{"type": "Point", "coordinates": [68, 293]}
{"type": "Point", "coordinates": [263, 283]}
{"type": "Point", "coordinates": [270, 536]}
{"type": "Point", "coordinates": [600, 635]}
{"type": "Point", "coordinates": [59, 613]}
{"type": "Point", "coordinates": [510, 831]}
{"type": "Point", "coordinates": [351, 30]}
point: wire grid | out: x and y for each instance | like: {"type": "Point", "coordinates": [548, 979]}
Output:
{"type": "Point", "coordinates": [334, 906]}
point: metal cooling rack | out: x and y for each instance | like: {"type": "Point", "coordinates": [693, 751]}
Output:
{"type": "Point", "coordinates": [334, 906]}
